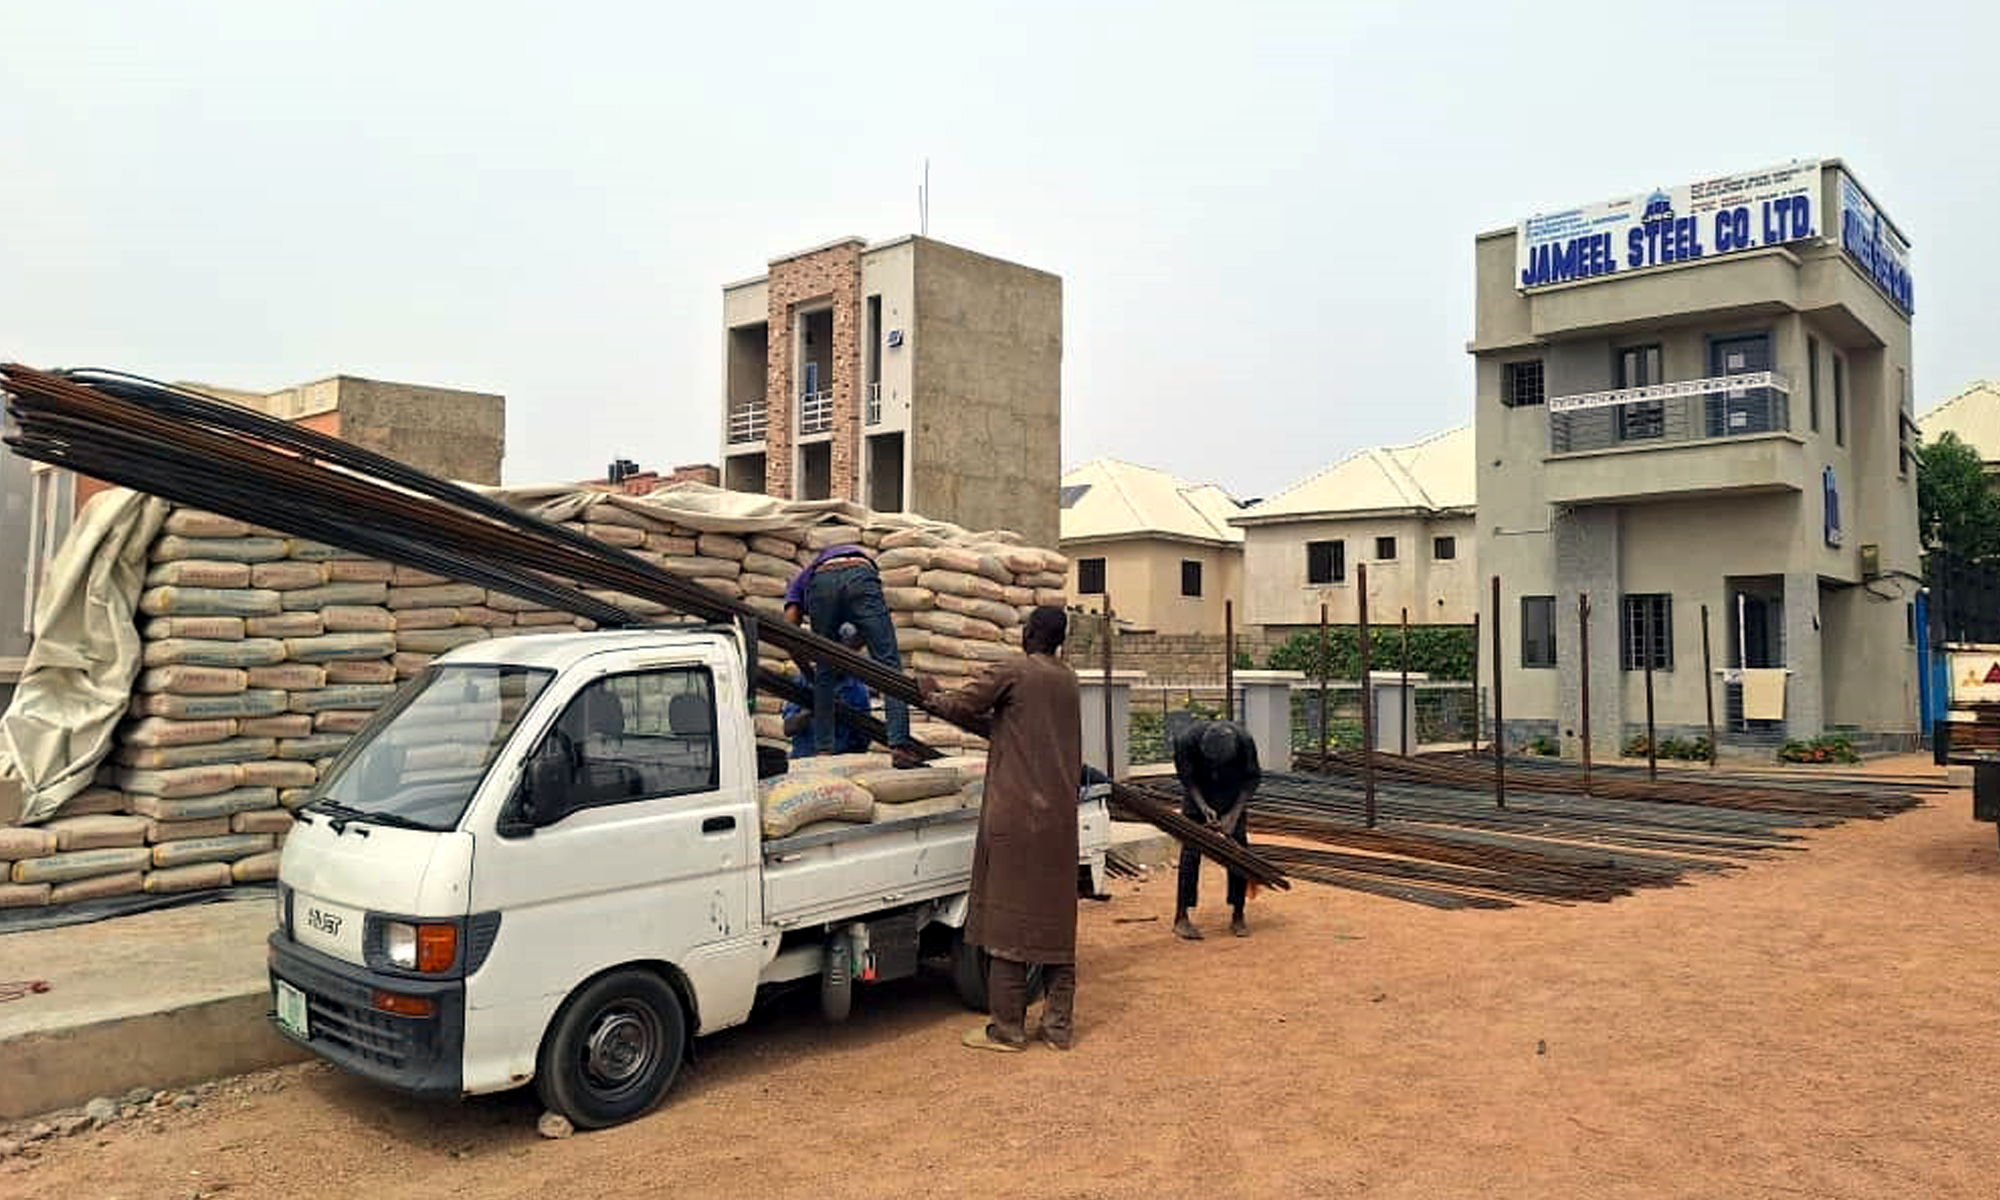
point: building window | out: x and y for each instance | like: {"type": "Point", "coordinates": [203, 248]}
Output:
{"type": "Point", "coordinates": [1385, 549]}
{"type": "Point", "coordinates": [1326, 562]}
{"type": "Point", "coordinates": [1812, 381]}
{"type": "Point", "coordinates": [1090, 576]}
{"type": "Point", "coordinates": [1190, 577]}
{"type": "Point", "coordinates": [1521, 383]}
{"type": "Point", "coordinates": [52, 505]}
{"type": "Point", "coordinates": [1839, 401]}
{"type": "Point", "coordinates": [1639, 366]}
{"type": "Point", "coordinates": [1444, 549]}
{"type": "Point", "coordinates": [1903, 423]}
{"type": "Point", "coordinates": [1538, 631]}
{"type": "Point", "coordinates": [1647, 631]}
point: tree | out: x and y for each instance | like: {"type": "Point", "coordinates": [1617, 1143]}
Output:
{"type": "Point", "coordinates": [1957, 509]}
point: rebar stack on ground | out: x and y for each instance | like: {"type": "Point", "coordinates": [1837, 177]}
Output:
{"type": "Point", "coordinates": [193, 450]}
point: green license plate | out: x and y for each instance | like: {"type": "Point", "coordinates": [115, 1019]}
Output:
{"type": "Point", "coordinates": [292, 1009]}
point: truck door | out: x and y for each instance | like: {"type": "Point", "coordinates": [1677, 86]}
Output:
{"type": "Point", "coordinates": [653, 856]}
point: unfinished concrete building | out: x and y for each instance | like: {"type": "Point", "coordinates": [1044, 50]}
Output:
{"type": "Point", "coordinates": [908, 375]}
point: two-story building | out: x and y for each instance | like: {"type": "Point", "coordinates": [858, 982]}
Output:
{"type": "Point", "coordinates": [1159, 548]}
{"type": "Point", "coordinates": [908, 375]}
{"type": "Point", "coordinates": [1694, 407]}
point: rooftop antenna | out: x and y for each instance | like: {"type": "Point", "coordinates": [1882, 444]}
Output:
{"type": "Point", "coordinates": [924, 202]}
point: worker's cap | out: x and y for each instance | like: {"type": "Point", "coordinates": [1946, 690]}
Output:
{"type": "Point", "coordinates": [1220, 742]}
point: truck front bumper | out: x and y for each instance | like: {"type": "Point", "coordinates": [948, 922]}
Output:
{"type": "Point", "coordinates": [418, 1055]}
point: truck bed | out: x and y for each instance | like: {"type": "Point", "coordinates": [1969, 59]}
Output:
{"type": "Point", "coordinates": [833, 874]}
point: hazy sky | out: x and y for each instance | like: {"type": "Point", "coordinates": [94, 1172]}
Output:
{"type": "Point", "coordinates": [1263, 214]}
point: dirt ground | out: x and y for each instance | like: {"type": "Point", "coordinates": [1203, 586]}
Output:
{"type": "Point", "coordinates": [1825, 1025]}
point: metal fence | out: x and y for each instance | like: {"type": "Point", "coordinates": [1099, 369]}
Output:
{"type": "Point", "coordinates": [1447, 714]}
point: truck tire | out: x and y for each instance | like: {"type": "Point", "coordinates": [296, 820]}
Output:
{"type": "Point", "coordinates": [969, 967]}
{"type": "Point", "coordinates": [613, 1049]}
{"type": "Point", "coordinates": [836, 980]}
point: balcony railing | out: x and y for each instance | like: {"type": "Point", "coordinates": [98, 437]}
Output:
{"type": "Point", "coordinates": [874, 416]}
{"type": "Point", "coordinates": [1688, 410]}
{"type": "Point", "coordinates": [749, 421]}
{"type": "Point", "coordinates": [815, 412]}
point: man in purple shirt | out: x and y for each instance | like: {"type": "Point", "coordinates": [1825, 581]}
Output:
{"type": "Point", "coordinates": [840, 586]}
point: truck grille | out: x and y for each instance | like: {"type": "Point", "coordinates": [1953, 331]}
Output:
{"type": "Point", "coordinates": [360, 1030]}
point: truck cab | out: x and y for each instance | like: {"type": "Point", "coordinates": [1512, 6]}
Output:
{"type": "Point", "coordinates": [542, 862]}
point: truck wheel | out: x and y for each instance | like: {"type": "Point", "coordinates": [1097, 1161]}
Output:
{"type": "Point", "coordinates": [969, 967]}
{"type": "Point", "coordinates": [613, 1050]}
{"type": "Point", "coordinates": [836, 980]}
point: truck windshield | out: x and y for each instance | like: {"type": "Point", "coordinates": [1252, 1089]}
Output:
{"type": "Point", "coordinates": [419, 761]}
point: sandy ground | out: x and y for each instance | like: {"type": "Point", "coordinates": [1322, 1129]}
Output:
{"type": "Point", "coordinates": [1826, 1025]}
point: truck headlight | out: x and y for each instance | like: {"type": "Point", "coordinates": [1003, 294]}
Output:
{"type": "Point", "coordinates": [419, 947]}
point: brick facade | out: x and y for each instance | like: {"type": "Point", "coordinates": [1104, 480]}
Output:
{"type": "Point", "coordinates": [806, 281]}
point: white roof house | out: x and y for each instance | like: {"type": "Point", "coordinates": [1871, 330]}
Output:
{"type": "Point", "coordinates": [1434, 475]}
{"type": "Point", "coordinates": [1974, 415]}
{"type": "Point", "coordinates": [1106, 498]}
{"type": "Point", "coordinates": [1159, 548]}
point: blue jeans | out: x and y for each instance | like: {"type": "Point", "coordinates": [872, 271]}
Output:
{"type": "Point", "coordinates": [853, 595]}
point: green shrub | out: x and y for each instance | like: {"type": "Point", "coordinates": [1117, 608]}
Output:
{"type": "Point", "coordinates": [1681, 749]}
{"type": "Point", "coordinates": [1829, 748]}
{"type": "Point", "coordinates": [1542, 745]}
{"type": "Point", "coordinates": [1440, 651]}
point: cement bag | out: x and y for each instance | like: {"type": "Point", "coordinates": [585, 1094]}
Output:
{"type": "Point", "coordinates": [770, 727]}
{"type": "Point", "coordinates": [789, 801]}
{"type": "Point", "coordinates": [957, 625]}
{"type": "Point", "coordinates": [351, 618]}
{"type": "Point", "coordinates": [999, 613]}
{"type": "Point", "coordinates": [194, 680]}
{"type": "Point", "coordinates": [196, 572]}
{"type": "Point", "coordinates": [1018, 597]}
{"type": "Point", "coordinates": [196, 877]}
{"type": "Point", "coordinates": [909, 599]}
{"type": "Point", "coordinates": [176, 783]}
{"type": "Point", "coordinates": [756, 562]}
{"type": "Point", "coordinates": [623, 536]}
{"type": "Point", "coordinates": [1019, 560]}
{"type": "Point", "coordinates": [103, 887]}
{"type": "Point", "coordinates": [903, 787]}
{"type": "Point", "coordinates": [819, 537]}
{"type": "Point", "coordinates": [209, 602]}
{"type": "Point", "coordinates": [157, 731]}
{"type": "Point", "coordinates": [250, 652]}
{"type": "Point", "coordinates": [82, 864]}
{"type": "Point", "coordinates": [958, 583]}
{"type": "Point", "coordinates": [443, 595]}
{"type": "Point", "coordinates": [288, 576]}
{"type": "Point", "coordinates": [962, 559]}
{"type": "Point", "coordinates": [437, 641]}
{"type": "Point", "coordinates": [910, 556]}
{"type": "Point", "coordinates": [237, 549]}
{"type": "Point", "coordinates": [777, 543]}
{"type": "Point", "coordinates": [325, 745]}
{"type": "Point", "coordinates": [293, 798]}
{"type": "Point", "coordinates": [342, 645]}
{"type": "Point", "coordinates": [258, 868]}
{"type": "Point", "coordinates": [422, 618]}
{"type": "Point", "coordinates": [769, 606]}
{"type": "Point", "coordinates": [268, 820]}
{"type": "Point", "coordinates": [702, 567]}
{"type": "Point", "coordinates": [721, 587]}
{"type": "Point", "coordinates": [211, 629]}
{"type": "Point", "coordinates": [215, 849]}
{"type": "Point", "coordinates": [1051, 580]}
{"type": "Point", "coordinates": [673, 545]}
{"type": "Point", "coordinates": [23, 895]}
{"type": "Point", "coordinates": [946, 647]}
{"type": "Point", "coordinates": [978, 652]}
{"type": "Point", "coordinates": [759, 585]}
{"type": "Point", "coordinates": [973, 794]}
{"type": "Point", "coordinates": [365, 670]}
{"type": "Point", "coordinates": [911, 638]}
{"type": "Point", "coordinates": [291, 677]}
{"type": "Point", "coordinates": [196, 523]}
{"type": "Point", "coordinates": [486, 618]}
{"type": "Point", "coordinates": [284, 725]}
{"type": "Point", "coordinates": [350, 696]}
{"type": "Point", "coordinates": [1053, 597]}
{"type": "Point", "coordinates": [158, 831]}
{"type": "Point", "coordinates": [365, 570]}
{"type": "Point", "coordinates": [25, 843]}
{"type": "Point", "coordinates": [308, 551]}
{"type": "Point", "coordinates": [91, 800]}
{"type": "Point", "coordinates": [408, 665]}
{"type": "Point", "coordinates": [906, 538]}
{"type": "Point", "coordinates": [926, 663]}
{"type": "Point", "coordinates": [315, 598]}
{"type": "Point", "coordinates": [721, 545]}
{"type": "Point", "coordinates": [200, 808]}
{"type": "Point", "coordinates": [412, 577]}
{"type": "Point", "coordinates": [844, 765]}
{"type": "Point", "coordinates": [541, 620]}
{"type": "Point", "coordinates": [277, 774]}
{"type": "Point", "coordinates": [504, 603]}
{"type": "Point", "coordinates": [341, 720]}
{"type": "Point", "coordinates": [164, 758]}
{"type": "Point", "coordinates": [208, 707]}
{"type": "Point", "coordinates": [285, 625]}
{"type": "Point", "coordinates": [902, 577]}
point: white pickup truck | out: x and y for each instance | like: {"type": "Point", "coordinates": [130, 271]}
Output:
{"type": "Point", "coordinates": [542, 861]}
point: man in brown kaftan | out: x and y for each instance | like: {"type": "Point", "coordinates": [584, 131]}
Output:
{"type": "Point", "coordinates": [1023, 908]}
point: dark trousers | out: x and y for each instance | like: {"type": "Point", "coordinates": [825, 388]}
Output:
{"type": "Point", "coordinates": [1007, 1000]}
{"type": "Point", "coordinates": [1190, 879]}
{"type": "Point", "coordinates": [853, 594]}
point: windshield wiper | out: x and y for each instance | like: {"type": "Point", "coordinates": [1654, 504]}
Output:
{"type": "Point", "coordinates": [339, 815]}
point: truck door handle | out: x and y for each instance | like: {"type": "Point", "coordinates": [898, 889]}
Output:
{"type": "Point", "coordinates": [718, 824]}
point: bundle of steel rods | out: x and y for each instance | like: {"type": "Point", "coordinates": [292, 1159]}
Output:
{"type": "Point", "coordinates": [193, 450]}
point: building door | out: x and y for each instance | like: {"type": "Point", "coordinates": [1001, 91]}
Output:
{"type": "Point", "coordinates": [1739, 410]}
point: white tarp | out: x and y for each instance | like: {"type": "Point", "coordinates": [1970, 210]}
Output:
{"type": "Point", "coordinates": [86, 653]}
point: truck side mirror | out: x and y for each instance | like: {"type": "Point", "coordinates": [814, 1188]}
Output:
{"type": "Point", "coordinates": [540, 798]}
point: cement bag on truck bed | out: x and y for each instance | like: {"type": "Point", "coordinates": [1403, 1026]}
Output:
{"type": "Point", "coordinates": [904, 787]}
{"type": "Point", "coordinates": [790, 801]}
